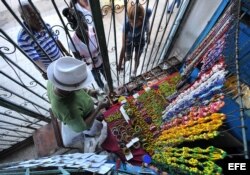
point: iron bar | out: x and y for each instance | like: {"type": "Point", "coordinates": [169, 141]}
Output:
{"type": "Point", "coordinates": [24, 98]}
{"type": "Point", "coordinates": [11, 116]}
{"type": "Point", "coordinates": [25, 28]}
{"type": "Point", "coordinates": [5, 144]}
{"type": "Point", "coordinates": [15, 130]}
{"type": "Point", "coordinates": [230, 129]}
{"type": "Point", "coordinates": [143, 29]}
{"type": "Point", "coordinates": [156, 6]}
{"type": "Point", "coordinates": [14, 124]}
{"type": "Point", "coordinates": [159, 25]}
{"type": "Point", "coordinates": [174, 23]}
{"type": "Point", "coordinates": [133, 34]}
{"type": "Point", "coordinates": [10, 135]}
{"type": "Point", "coordinates": [27, 142]}
{"type": "Point", "coordinates": [173, 30]}
{"type": "Point", "coordinates": [65, 27]}
{"type": "Point", "coordinates": [44, 25]}
{"type": "Point", "coordinates": [11, 105]}
{"type": "Point", "coordinates": [23, 86]}
{"type": "Point", "coordinates": [237, 66]}
{"type": "Point", "coordinates": [125, 35]}
{"type": "Point", "coordinates": [165, 29]}
{"type": "Point", "coordinates": [7, 140]}
{"type": "Point", "coordinates": [115, 40]}
{"type": "Point", "coordinates": [97, 18]}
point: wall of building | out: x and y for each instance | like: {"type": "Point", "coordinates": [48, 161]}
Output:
{"type": "Point", "coordinates": [198, 18]}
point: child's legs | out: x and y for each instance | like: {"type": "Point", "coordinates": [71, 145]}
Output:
{"type": "Point", "coordinates": [97, 77]}
{"type": "Point", "coordinates": [128, 55]}
{"type": "Point", "coordinates": [129, 52]}
{"type": "Point", "coordinates": [137, 61]}
{"type": "Point", "coordinates": [138, 55]}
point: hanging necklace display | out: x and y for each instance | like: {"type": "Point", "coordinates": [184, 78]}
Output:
{"type": "Point", "coordinates": [190, 160]}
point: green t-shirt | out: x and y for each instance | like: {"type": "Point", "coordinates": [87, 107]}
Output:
{"type": "Point", "coordinates": [71, 109]}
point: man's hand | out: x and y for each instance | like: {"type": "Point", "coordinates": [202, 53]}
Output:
{"type": "Point", "coordinates": [104, 103]}
{"type": "Point", "coordinates": [93, 92]}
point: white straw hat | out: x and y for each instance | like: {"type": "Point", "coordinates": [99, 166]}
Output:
{"type": "Point", "coordinates": [69, 74]}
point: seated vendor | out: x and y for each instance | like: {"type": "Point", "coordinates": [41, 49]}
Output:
{"type": "Point", "coordinates": [70, 103]}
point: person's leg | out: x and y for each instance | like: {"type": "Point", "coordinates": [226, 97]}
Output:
{"type": "Point", "coordinates": [171, 7]}
{"type": "Point", "coordinates": [120, 63]}
{"type": "Point", "coordinates": [97, 77]}
{"type": "Point", "coordinates": [178, 2]}
{"type": "Point", "coordinates": [127, 56]}
{"type": "Point", "coordinates": [137, 61]}
{"type": "Point", "coordinates": [101, 69]}
{"type": "Point", "coordinates": [138, 55]}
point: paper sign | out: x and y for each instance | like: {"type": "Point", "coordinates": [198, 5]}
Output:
{"type": "Point", "coordinates": [129, 156]}
{"type": "Point", "coordinates": [124, 114]}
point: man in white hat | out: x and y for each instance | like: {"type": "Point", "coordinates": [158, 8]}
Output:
{"type": "Point", "coordinates": [70, 103]}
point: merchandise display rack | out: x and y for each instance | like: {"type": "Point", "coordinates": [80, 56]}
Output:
{"type": "Point", "coordinates": [163, 115]}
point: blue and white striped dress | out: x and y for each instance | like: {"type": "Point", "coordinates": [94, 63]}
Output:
{"type": "Point", "coordinates": [46, 42]}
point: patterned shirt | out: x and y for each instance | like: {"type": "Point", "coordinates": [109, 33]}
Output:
{"type": "Point", "coordinates": [45, 41]}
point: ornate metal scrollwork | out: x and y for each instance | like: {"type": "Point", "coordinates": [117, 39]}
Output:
{"type": "Point", "coordinates": [5, 49]}
{"type": "Point", "coordinates": [141, 2]}
{"type": "Point", "coordinates": [4, 93]}
{"type": "Point", "coordinates": [56, 31]}
{"type": "Point", "coordinates": [8, 112]}
{"type": "Point", "coordinates": [106, 9]}
{"type": "Point", "coordinates": [45, 96]}
{"type": "Point", "coordinates": [119, 8]}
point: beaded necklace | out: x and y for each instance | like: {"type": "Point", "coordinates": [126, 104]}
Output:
{"type": "Point", "coordinates": [191, 160]}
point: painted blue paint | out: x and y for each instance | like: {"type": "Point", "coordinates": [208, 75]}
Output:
{"type": "Point", "coordinates": [210, 25]}
{"type": "Point", "coordinates": [231, 118]}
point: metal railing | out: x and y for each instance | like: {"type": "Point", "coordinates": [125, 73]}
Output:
{"type": "Point", "coordinates": [24, 106]}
